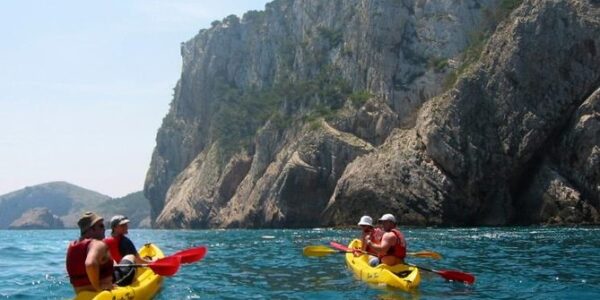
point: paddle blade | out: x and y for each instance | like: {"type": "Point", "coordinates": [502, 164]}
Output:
{"type": "Point", "coordinates": [318, 251]}
{"type": "Point", "coordinates": [426, 254]}
{"type": "Point", "coordinates": [167, 266]}
{"type": "Point", "coordinates": [191, 255]}
{"type": "Point", "coordinates": [456, 276]}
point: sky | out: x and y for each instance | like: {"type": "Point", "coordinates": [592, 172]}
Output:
{"type": "Point", "coordinates": [84, 86]}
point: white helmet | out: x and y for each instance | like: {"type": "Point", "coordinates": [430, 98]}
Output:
{"type": "Point", "coordinates": [366, 220]}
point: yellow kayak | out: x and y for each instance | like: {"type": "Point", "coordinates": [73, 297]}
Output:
{"type": "Point", "coordinates": [145, 285]}
{"type": "Point", "coordinates": [400, 276]}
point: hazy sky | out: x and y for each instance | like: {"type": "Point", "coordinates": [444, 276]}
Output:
{"type": "Point", "coordinates": [84, 86]}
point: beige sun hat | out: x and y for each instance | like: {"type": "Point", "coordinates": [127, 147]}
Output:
{"type": "Point", "coordinates": [87, 220]}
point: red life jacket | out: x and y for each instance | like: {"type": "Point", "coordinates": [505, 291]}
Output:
{"type": "Point", "coordinates": [113, 246]}
{"type": "Point", "coordinates": [399, 249]}
{"type": "Point", "coordinates": [76, 255]}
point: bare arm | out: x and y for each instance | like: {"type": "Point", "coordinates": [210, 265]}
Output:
{"type": "Point", "coordinates": [364, 238]}
{"type": "Point", "coordinates": [387, 241]}
{"type": "Point", "coordinates": [92, 263]}
{"type": "Point", "coordinates": [141, 260]}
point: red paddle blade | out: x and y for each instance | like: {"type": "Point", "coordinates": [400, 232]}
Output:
{"type": "Point", "coordinates": [339, 246]}
{"type": "Point", "coordinates": [457, 276]}
{"type": "Point", "coordinates": [167, 266]}
{"type": "Point", "coordinates": [191, 255]}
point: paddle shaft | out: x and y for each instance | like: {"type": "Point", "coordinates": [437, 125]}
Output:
{"type": "Point", "coordinates": [133, 265]}
{"type": "Point", "coordinates": [166, 266]}
{"type": "Point", "coordinates": [450, 274]}
{"type": "Point", "coordinates": [321, 250]}
{"type": "Point", "coordinates": [422, 254]}
{"type": "Point", "coordinates": [423, 268]}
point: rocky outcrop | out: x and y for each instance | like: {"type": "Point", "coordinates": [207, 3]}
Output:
{"type": "Point", "coordinates": [565, 187]}
{"type": "Point", "coordinates": [68, 202]}
{"type": "Point", "coordinates": [37, 218]}
{"type": "Point", "coordinates": [398, 177]}
{"type": "Point", "coordinates": [258, 191]}
{"type": "Point", "coordinates": [513, 141]}
{"type": "Point", "coordinates": [315, 112]}
{"type": "Point", "coordinates": [64, 200]}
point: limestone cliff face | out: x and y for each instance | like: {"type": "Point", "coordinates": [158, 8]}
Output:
{"type": "Point", "coordinates": [515, 141]}
{"type": "Point", "coordinates": [315, 112]}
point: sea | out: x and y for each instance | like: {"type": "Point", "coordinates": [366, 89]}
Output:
{"type": "Point", "coordinates": [508, 263]}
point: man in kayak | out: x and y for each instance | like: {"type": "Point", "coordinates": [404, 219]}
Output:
{"type": "Point", "coordinates": [368, 233]}
{"type": "Point", "coordinates": [89, 264]}
{"type": "Point", "coordinates": [392, 248]}
{"type": "Point", "coordinates": [122, 250]}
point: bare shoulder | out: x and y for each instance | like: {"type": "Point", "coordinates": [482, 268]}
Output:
{"type": "Point", "coordinates": [389, 236]}
{"type": "Point", "coordinates": [98, 244]}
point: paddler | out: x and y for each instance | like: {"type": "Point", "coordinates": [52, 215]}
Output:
{"type": "Point", "coordinates": [89, 264]}
{"type": "Point", "coordinates": [123, 250]}
{"type": "Point", "coordinates": [368, 233]}
{"type": "Point", "coordinates": [391, 250]}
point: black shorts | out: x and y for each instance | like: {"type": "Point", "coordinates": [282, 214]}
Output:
{"type": "Point", "coordinates": [124, 275]}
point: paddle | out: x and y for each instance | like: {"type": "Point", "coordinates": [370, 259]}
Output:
{"type": "Point", "coordinates": [191, 255]}
{"type": "Point", "coordinates": [324, 250]}
{"type": "Point", "coordinates": [319, 251]}
{"type": "Point", "coordinates": [425, 254]}
{"type": "Point", "coordinates": [346, 249]}
{"type": "Point", "coordinates": [450, 274]}
{"type": "Point", "coordinates": [166, 266]}
{"type": "Point", "coordinates": [446, 274]}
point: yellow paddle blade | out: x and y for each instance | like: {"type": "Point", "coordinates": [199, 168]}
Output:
{"type": "Point", "coordinates": [318, 251]}
{"type": "Point", "coordinates": [426, 254]}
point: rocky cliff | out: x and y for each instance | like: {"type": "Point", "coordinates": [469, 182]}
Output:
{"type": "Point", "coordinates": [313, 113]}
{"type": "Point", "coordinates": [37, 218]}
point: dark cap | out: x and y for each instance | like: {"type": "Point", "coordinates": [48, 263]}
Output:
{"type": "Point", "coordinates": [87, 220]}
{"type": "Point", "coordinates": [118, 220]}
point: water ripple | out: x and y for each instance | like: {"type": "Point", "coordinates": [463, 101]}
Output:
{"type": "Point", "coordinates": [524, 263]}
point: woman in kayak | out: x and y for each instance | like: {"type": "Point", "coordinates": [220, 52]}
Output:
{"type": "Point", "coordinates": [392, 248]}
{"type": "Point", "coordinates": [369, 233]}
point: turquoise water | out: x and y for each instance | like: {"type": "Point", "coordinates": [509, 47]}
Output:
{"type": "Point", "coordinates": [509, 263]}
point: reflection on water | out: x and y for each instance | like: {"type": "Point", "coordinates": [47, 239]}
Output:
{"type": "Point", "coordinates": [531, 262]}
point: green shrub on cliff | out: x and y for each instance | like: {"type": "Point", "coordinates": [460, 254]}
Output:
{"type": "Point", "coordinates": [240, 112]}
{"type": "Point", "coordinates": [478, 40]}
